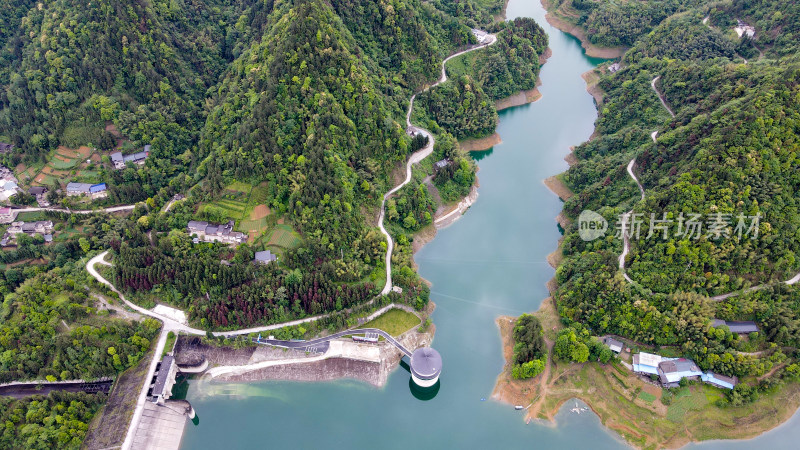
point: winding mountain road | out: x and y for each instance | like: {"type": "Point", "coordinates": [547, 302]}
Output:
{"type": "Point", "coordinates": [77, 211]}
{"type": "Point", "coordinates": [626, 217]}
{"type": "Point", "coordinates": [416, 157]}
{"type": "Point", "coordinates": [661, 97]}
{"type": "Point", "coordinates": [171, 324]}
{"type": "Point", "coordinates": [178, 326]}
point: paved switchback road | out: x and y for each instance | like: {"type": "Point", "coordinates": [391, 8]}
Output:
{"type": "Point", "coordinates": [416, 157]}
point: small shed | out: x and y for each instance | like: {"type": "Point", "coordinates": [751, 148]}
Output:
{"type": "Point", "coordinates": [615, 345]}
{"type": "Point", "coordinates": [738, 327]}
{"type": "Point", "coordinates": [720, 381]}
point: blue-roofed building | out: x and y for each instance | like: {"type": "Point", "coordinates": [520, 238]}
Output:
{"type": "Point", "coordinates": [98, 190]}
{"type": "Point", "coordinates": [646, 363]}
{"type": "Point", "coordinates": [720, 381]}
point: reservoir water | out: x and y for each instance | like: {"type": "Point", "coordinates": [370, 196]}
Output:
{"type": "Point", "coordinates": [489, 263]}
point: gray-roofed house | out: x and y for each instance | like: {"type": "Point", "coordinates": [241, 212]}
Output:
{"type": "Point", "coordinates": [209, 232]}
{"type": "Point", "coordinates": [41, 227]}
{"type": "Point", "coordinates": [441, 164]}
{"type": "Point", "coordinates": [671, 372]}
{"type": "Point", "coordinates": [265, 257]}
{"type": "Point", "coordinates": [119, 160]}
{"type": "Point", "coordinates": [615, 345]}
{"type": "Point", "coordinates": [37, 190]}
{"type": "Point", "coordinates": [741, 327]}
{"type": "Point", "coordinates": [165, 379]}
{"type": "Point", "coordinates": [76, 189]}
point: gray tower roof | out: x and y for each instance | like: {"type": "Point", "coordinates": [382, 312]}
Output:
{"type": "Point", "coordinates": [426, 363]}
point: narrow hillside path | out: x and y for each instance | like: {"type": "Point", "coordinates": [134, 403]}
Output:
{"type": "Point", "coordinates": [661, 97]}
{"type": "Point", "coordinates": [626, 218]}
{"type": "Point", "coordinates": [416, 157]}
{"type": "Point", "coordinates": [77, 211]}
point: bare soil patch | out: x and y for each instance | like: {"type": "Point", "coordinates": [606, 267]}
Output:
{"type": "Point", "coordinates": [592, 79]}
{"type": "Point", "coordinates": [111, 128]}
{"type": "Point", "coordinates": [259, 212]}
{"type": "Point", "coordinates": [518, 99]}
{"type": "Point", "coordinates": [558, 187]}
{"type": "Point", "coordinates": [484, 143]}
{"type": "Point", "coordinates": [84, 151]}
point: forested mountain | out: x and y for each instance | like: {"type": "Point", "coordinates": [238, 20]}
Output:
{"type": "Point", "coordinates": [144, 64]}
{"type": "Point", "coordinates": [313, 110]}
{"type": "Point", "coordinates": [304, 98]}
{"type": "Point", "coordinates": [509, 66]}
{"type": "Point", "coordinates": [611, 24]}
{"type": "Point", "coordinates": [730, 152]}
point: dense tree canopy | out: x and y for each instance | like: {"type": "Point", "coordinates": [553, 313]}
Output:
{"type": "Point", "coordinates": [730, 153]}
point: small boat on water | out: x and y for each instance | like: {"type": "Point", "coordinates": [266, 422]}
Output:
{"type": "Point", "coordinates": [518, 407]}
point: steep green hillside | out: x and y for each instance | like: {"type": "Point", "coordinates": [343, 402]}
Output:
{"type": "Point", "coordinates": [729, 154]}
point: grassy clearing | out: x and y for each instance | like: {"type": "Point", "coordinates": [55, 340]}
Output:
{"type": "Point", "coordinates": [394, 321]}
{"type": "Point", "coordinates": [171, 338]}
{"type": "Point", "coordinates": [240, 187]}
{"type": "Point", "coordinates": [685, 400]}
{"type": "Point", "coordinates": [229, 209]}
{"type": "Point", "coordinates": [31, 216]}
{"type": "Point", "coordinates": [462, 65]}
{"type": "Point", "coordinates": [646, 396]}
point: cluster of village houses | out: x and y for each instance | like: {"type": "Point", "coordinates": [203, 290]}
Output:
{"type": "Point", "coordinates": [9, 183]}
{"type": "Point", "coordinates": [670, 371]}
{"type": "Point", "coordinates": [42, 228]}
{"type": "Point", "coordinates": [202, 231]}
{"type": "Point", "coordinates": [138, 158]}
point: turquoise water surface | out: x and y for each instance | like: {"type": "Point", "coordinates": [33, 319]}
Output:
{"type": "Point", "coordinates": [490, 262]}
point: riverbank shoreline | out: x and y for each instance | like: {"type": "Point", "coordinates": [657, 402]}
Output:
{"type": "Point", "coordinates": [580, 34]}
{"type": "Point", "coordinates": [617, 397]}
{"type": "Point", "coordinates": [627, 404]}
{"type": "Point", "coordinates": [520, 98]}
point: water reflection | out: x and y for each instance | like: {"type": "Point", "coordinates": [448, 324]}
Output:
{"type": "Point", "coordinates": [478, 155]}
{"type": "Point", "coordinates": [424, 393]}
